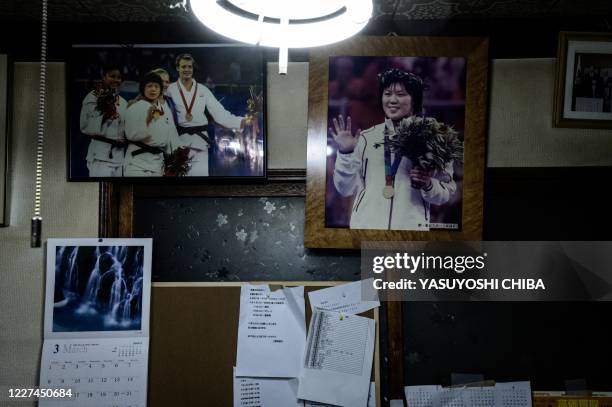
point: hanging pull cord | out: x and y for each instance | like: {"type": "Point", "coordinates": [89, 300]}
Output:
{"type": "Point", "coordinates": [36, 229]}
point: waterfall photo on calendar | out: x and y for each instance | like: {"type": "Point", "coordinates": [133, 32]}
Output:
{"type": "Point", "coordinates": [98, 288]}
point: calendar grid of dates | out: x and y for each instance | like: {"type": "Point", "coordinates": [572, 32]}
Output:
{"type": "Point", "coordinates": [103, 372]}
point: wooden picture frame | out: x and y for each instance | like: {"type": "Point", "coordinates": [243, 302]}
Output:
{"type": "Point", "coordinates": [474, 52]}
{"type": "Point", "coordinates": [583, 83]}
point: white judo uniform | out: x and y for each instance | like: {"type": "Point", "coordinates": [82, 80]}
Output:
{"type": "Point", "coordinates": [362, 174]}
{"type": "Point", "coordinates": [160, 133]}
{"type": "Point", "coordinates": [103, 159]}
{"type": "Point", "coordinates": [204, 99]}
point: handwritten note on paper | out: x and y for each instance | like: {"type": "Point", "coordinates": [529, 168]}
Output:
{"type": "Point", "coordinates": [338, 361]}
{"type": "Point", "coordinates": [271, 332]}
{"type": "Point", "coordinates": [265, 392]}
{"type": "Point", "coordinates": [514, 394]}
{"type": "Point", "coordinates": [351, 298]}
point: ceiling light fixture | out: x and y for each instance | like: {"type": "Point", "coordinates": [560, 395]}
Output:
{"type": "Point", "coordinates": [284, 24]}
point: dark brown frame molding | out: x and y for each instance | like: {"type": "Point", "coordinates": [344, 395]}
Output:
{"type": "Point", "coordinates": [116, 213]}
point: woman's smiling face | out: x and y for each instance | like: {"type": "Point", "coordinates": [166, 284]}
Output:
{"type": "Point", "coordinates": [396, 102]}
{"type": "Point", "coordinates": [152, 91]}
{"type": "Point", "coordinates": [112, 78]}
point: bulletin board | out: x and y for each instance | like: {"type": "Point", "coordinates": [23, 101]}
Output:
{"type": "Point", "coordinates": [194, 331]}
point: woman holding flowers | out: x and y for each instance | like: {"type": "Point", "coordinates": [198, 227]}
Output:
{"type": "Point", "coordinates": [396, 169]}
{"type": "Point", "coordinates": [102, 120]}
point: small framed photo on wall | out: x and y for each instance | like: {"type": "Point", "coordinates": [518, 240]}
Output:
{"type": "Point", "coordinates": [583, 91]}
{"type": "Point", "coordinates": [148, 111]}
{"type": "Point", "coordinates": [396, 140]}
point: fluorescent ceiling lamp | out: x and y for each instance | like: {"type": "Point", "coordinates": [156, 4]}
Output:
{"type": "Point", "coordinates": [284, 24]}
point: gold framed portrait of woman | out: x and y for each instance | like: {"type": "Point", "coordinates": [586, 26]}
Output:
{"type": "Point", "coordinates": [396, 140]}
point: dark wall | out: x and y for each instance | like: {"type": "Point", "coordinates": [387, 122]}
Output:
{"type": "Point", "coordinates": [546, 343]}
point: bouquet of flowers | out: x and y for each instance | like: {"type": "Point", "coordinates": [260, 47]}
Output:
{"type": "Point", "coordinates": [254, 106]}
{"type": "Point", "coordinates": [428, 143]}
{"type": "Point", "coordinates": [106, 100]}
{"type": "Point", "coordinates": [177, 163]}
{"type": "Point", "coordinates": [251, 128]}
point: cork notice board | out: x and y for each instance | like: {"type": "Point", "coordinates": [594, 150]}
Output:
{"type": "Point", "coordinates": [194, 332]}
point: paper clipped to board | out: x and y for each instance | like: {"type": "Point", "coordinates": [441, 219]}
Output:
{"type": "Point", "coordinates": [351, 298]}
{"type": "Point", "coordinates": [371, 399]}
{"type": "Point", "coordinates": [271, 332]}
{"type": "Point", "coordinates": [512, 394]}
{"type": "Point", "coordinates": [338, 361]}
{"type": "Point", "coordinates": [96, 339]}
{"type": "Point", "coordinates": [262, 391]}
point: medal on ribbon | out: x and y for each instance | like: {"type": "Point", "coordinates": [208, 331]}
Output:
{"type": "Point", "coordinates": [159, 111]}
{"type": "Point", "coordinates": [390, 168]}
{"type": "Point", "coordinates": [188, 115]}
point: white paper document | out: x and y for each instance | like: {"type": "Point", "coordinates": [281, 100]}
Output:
{"type": "Point", "coordinates": [351, 298]}
{"type": "Point", "coordinates": [96, 337]}
{"type": "Point", "coordinates": [271, 332]}
{"type": "Point", "coordinates": [371, 399]}
{"type": "Point", "coordinates": [265, 392]}
{"type": "Point", "coordinates": [514, 394]}
{"type": "Point", "coordinates": [338, 361]}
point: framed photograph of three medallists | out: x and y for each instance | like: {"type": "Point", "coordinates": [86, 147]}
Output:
{"type": "Point", "coordinates": [166, 111]}
{"type": "Point", "coordinates": [396, 140]}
